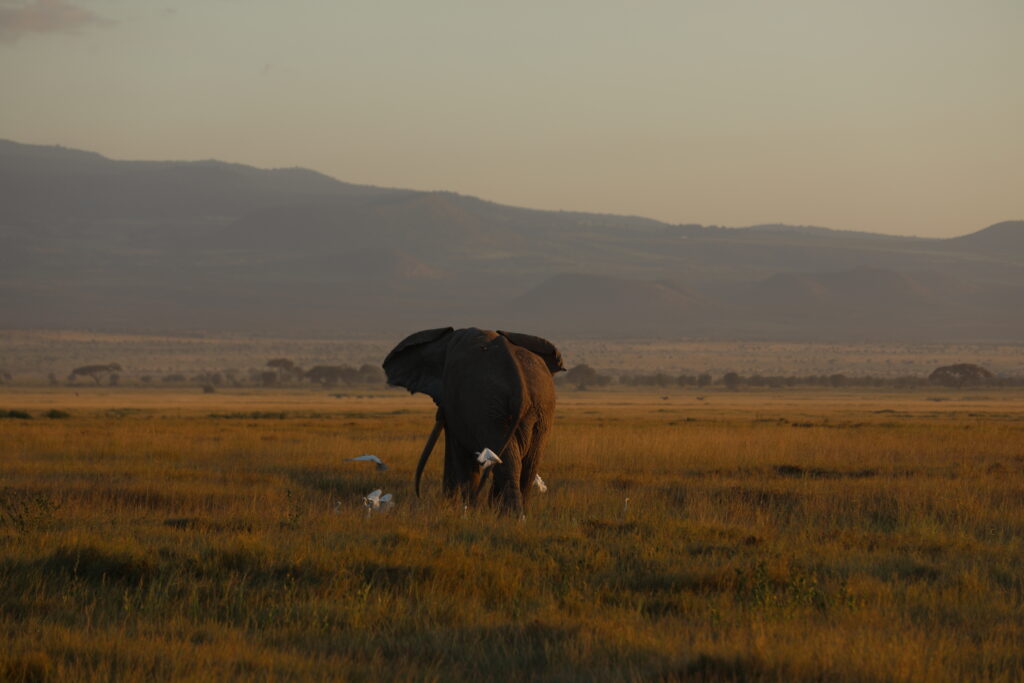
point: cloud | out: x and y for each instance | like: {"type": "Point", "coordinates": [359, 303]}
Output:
{"type": "Point", "coordinates": [19, 18]}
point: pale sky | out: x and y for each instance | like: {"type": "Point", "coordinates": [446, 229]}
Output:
{"type": "Point", "coordinates": [894, 116]}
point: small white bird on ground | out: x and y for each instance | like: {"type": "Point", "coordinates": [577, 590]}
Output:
{"type": "Point", "coordinates": [366, 457]}
{"type": "Point", "coordinates": [487, 458]}
{"type": "Point", "coordinates": [375, 501]}
{"type": "Point", "coordinates": [539, 483]}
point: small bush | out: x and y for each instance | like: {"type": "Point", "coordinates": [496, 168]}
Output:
{"type": "Point", "coordinates": [55, 414]}
{"type": "Point", "coordinates": [15, 414]}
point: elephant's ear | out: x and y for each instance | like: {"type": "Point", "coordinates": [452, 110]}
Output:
{"type": "Point", "coordinates": [418, 361]}
{"type": "Point", "coordinates": [538, 345]}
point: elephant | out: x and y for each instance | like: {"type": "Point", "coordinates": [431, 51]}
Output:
{"type": "Point", "coordinates": [492, 390]}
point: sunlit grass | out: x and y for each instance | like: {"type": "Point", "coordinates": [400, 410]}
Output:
{"type": "Point", "coordinates": [828, 536]}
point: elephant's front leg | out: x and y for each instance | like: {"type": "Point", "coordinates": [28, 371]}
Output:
{"type": "Point", "coordinates": [461, 471]}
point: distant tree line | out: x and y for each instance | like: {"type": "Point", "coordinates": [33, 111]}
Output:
{"type": "Point", "coordinates": [583, 377]}
{"type": "Point", "coordinates": [278, 372]}
{"type": "Point", "coordinates": [283, 372]}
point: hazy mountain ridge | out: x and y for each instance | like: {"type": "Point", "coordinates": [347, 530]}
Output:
{"type": "Point", "coordinates": [87, 241]}
{"type": "Point", "coordinates": [1007, 236]}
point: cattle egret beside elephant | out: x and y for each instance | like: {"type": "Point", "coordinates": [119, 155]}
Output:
{"type": "Point", "coordinates": [375, 501]}
{"type": "Point", "coordinates": [539, 483]}
{"type": "Point", "coordinates": [487, 458]}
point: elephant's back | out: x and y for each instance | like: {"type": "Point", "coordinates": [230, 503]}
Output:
{"type": "Point", "coordinates": [538, 385]}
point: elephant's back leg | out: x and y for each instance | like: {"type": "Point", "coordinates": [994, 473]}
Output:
{"type": "Point", "coordinates": [531, 458]}
{"type": "Point", "coordinates": [505, 491]}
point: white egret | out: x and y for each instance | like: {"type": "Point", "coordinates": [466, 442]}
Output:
{"type": "Point", "coordinates": [377, 500]}
{"type": "Point", "coordinates": [372, 499]}
{"type": "Point", "coordinates": [539, 483]}
{"type": "Point", "coordinates": [366, 457]}
{"type": "Point", "coordinates": [487, 458]}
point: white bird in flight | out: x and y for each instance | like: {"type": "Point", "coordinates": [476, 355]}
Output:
{"type": "Point", "coordinates": [539, 483]}
{"type": "Point", "coordinates": [487, 458]}
{"type": "Point", "coordinates": [366, 457]}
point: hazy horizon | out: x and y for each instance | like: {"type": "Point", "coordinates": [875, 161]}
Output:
{"type": "Point", "coordinates": [873, 117]}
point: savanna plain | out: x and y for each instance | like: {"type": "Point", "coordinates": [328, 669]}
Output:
{"type": "Point", "coordinates": [798, 534]}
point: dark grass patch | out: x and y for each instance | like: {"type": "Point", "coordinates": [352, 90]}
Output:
{"type": "Point", "coordinates": [600, 526]}
{"type": "Point", "coordinates": [817, 473]}
{"type": "Point", "coordinates": [621, 483]}
{"type": "Point", "coordinates": [121, 413]}
{"type": "Point", "coordinates": [720, 472]}
{"type": "Point", "coordinates": [905, 569]}
{"type": "Point", "coordinates": [148, 500]}
{"type": "Point", "coordinates": [649, 579]}
{"type": "Point", "coordinates": [707, 667]}
{"type": "Point", "coordinates": [97, 566]}
{"type": "Point", "coordinates": [15, 415]}
{"type": "Point", "coordinates": [661, 608]}
{"type": "Point", "coordinates": [31, 667]}
{"type": "Point", "coordinates": [798, 587]}
{"type": "Point", "coordinates": [254, 565]}
{"type": "Point", "coordinates": [386, 575]}
{"type": "Point", "coordinates": [26, 511]}
{"type": "Point", "coordinates": [55, 414]}
{"type": "Point", "coordinates": [784, 502]}
{"type": "Point", "coordinates": [183, 522]}
{"type": "Point", "coordinates": [703, 549]}
{"type": "Point", "coordinates": [882, 513]}
{"type": "Point", "coordinates": [254, 415]}
{"type": "Point", "coordinates": [194, 523]}
{"type": "Point", "coordinates": [519, 651]}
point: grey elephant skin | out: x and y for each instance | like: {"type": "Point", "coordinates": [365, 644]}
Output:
{"type": "Point", "coordinates": [492, 390]}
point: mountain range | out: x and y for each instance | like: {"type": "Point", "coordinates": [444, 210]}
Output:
{"type": "Point", "coordinates": [89, 242]}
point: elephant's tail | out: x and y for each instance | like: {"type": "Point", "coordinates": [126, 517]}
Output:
{"type": "Point", "coordinates": [428, 447]}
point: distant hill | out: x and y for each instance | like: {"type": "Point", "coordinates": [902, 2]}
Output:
{"type": "Point", "coordinates": [57, 183]}
{"type": "Point", "coordinates": [1001, 237]}
{"type": "Point", "coordinates": [170, 246]}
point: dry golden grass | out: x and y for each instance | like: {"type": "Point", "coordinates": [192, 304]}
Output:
{"type": "Point", "coordinates": [769, 536]}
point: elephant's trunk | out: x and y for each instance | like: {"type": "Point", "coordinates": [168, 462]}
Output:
{"type": "Point", "coordinates": [431, 440]}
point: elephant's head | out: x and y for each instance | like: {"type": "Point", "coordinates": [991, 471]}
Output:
{"type": "Point", "coordinates": [417, 363]}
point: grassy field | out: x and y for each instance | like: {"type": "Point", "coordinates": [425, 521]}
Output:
{"type": "Point", "coordinates": [792, 535]}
